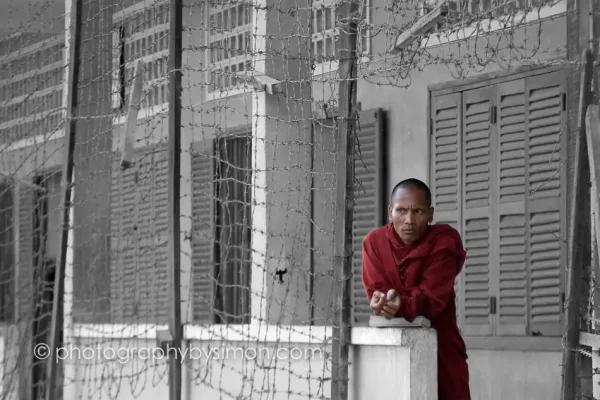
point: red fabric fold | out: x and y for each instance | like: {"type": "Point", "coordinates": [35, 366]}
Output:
{"type": "Point", "coordinates": [423, 273]}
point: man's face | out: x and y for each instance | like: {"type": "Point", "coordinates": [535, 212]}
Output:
{"type": "Point", "coordinates": [410, 214]}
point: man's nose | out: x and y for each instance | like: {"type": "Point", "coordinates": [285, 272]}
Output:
{"type": "Point", "coordinates": [409, 218]}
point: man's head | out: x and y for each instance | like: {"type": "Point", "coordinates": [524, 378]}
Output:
{"type": "Point", "coordinates": [410, 209]}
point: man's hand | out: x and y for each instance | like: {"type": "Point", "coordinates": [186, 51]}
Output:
{"type": "Point", "coordinates": [392, 305]}
{"type": "Point", "coordinates": [377, 302]}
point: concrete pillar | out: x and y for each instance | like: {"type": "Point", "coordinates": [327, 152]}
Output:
{"type": "Point", "coordinates": [281, 129]}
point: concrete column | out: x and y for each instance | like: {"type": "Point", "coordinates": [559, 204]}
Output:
{"type": "Point", "coordinates": [281, 128]}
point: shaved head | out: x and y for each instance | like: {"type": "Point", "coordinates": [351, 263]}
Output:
{"type": "Point", "coordinates": [410, 210]}
{"type": "Point", "coordinates": [412, 184]}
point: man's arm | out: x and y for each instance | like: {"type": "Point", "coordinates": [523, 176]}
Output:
{"type": "Point", "coordinates": [434, 291]}
{"type": "Point", "coordinates": [372, 270]}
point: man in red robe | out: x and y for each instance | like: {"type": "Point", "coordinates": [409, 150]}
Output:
{"type": "Point", "coordinates": [409, 269]}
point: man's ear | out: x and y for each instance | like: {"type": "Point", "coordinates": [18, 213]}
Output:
{"type": "Point", "coordinates": [431, 210]}
{"type": "Point", "coordinates": [390, 212]}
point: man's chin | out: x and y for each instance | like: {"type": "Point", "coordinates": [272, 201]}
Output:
{"type": "Point", "coordinates": [409, 238]}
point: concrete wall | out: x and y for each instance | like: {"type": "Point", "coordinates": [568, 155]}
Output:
{"type": "Point", "coordinates": [286, 362]}
{"type": "Point", "coordinates": [515, 374]}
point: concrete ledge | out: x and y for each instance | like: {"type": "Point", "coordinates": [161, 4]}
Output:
{"type": "Point", "coordinates": [360, 336]}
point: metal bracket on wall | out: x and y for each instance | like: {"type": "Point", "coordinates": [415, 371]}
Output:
{"type": "Point", "coordinates": [261, 82]}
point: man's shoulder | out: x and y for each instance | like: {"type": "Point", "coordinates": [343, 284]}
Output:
{"type": "Point", "coordinates": [444, 237]}
{"type": "Point", "coordinates": [375, 235]}
{"type": "Point", "coordinates": [444, 230]}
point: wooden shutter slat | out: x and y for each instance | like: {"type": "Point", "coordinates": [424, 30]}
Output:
{"type": "Point", "coordinates": [477, 208]}
{"type": "Point", "coordinates": [203, 230]}
{"type": "Point", "coordinates": [546, 220]}
{"type": "Point", "coordinates": [445, 170]}
{"type": "Point", "coordinates": [368, 211]}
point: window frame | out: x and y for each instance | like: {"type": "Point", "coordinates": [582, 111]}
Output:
{"type": "Point", "coordinates": [241, 131]}
{"type": "Point", "coordinates": [499, 343]}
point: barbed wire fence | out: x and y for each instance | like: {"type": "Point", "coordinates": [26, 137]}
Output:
{"type": "Point", "coordinates": [273, 203]}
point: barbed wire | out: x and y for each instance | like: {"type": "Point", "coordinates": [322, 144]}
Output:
{"type": "Point", "coordinates": [259, 192]}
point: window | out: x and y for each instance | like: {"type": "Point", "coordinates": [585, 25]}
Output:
{"type": "Point", "coordinates": [325, 34]}
{"type": "Point", "coordinates": [230, 44]}
{"type": "Point", "coordinates": [221, 179]}
{"type": "Point", "coordinates": [498, 156]}
{"type": "Point", "coordinates": [30, 87]}
{"type": "Point", "coordinates": [141, 33]}
{"type": "Point", "coordinates": [234, 229]}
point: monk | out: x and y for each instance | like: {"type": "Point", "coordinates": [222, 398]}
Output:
{"type": "Point", "coordinates": [409, 269]}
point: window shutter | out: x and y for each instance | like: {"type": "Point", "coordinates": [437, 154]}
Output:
{"type": "Point", "coordinates": [369, 198]}
{"type": "Point", "coordinates": [511, 246]}
{"type": "Point", "coordinates": [124, 207]}
{"type": "Point", "coordinates": [446, 157]}
{"type": "Point", "coordinates": [446, 167]}
{"type": "Point", "coordinates": [477, 176]}
{"type": "Point", "coordinates": [144, 272]}
{"type": "Point", "coordinates": [546, 119]}
{"type": "Point", "coordinates": [203, 227]}
{"type": "Point", "coordinates": [160, 232]}
{"type": "Point", "coordinates": [152, 282]}
{"type": "Point", "coordinates": [7, 259]}
{"type": "Point", "coordinates": [25, 290]}
{"type": "Point", "coordinates": [139, 244]}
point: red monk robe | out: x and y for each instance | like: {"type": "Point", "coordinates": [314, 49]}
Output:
{"type": "Point", "coordinates": [423, 273]}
